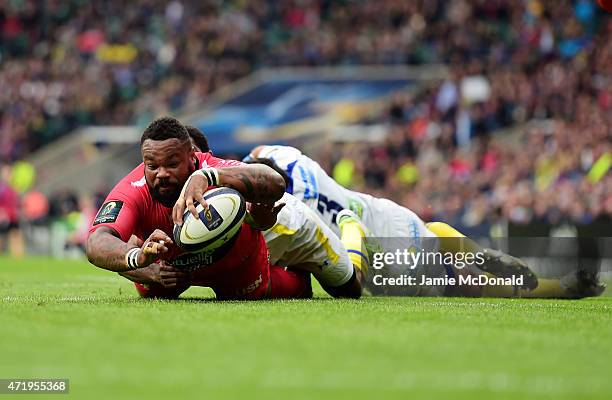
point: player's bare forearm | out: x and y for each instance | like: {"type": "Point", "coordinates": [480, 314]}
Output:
{"type": "Point", "coordinates": [106, 250]}
{"type": "Point", "coordinates": [256, 182]}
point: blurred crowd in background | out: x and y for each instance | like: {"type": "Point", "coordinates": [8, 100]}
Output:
{"type": "Point", "coordinates": [70, 63]}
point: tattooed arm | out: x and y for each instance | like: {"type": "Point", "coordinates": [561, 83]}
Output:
{"type": "Point", "coordinates": [106, 250]}
{"type": "Point", "coordinates": [258, 183]}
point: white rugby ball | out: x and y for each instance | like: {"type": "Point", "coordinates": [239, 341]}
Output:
{"type": "Point", "coordinates": [216, 225]}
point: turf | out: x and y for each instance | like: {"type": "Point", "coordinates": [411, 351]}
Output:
{"type": "Point", "coordinates": [67, 319]}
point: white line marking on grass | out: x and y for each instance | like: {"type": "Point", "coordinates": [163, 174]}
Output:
{"type": "Point", "coordinates": [29, 299]}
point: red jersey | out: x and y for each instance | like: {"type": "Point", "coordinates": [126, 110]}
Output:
{"type": "Point", "coordinates": [241, 272]}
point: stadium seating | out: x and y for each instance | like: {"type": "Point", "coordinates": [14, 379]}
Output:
{"type": "Point", "coordinates": [512, 63]}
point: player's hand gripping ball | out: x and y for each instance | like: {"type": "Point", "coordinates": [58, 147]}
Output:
{"type": "Point", "coordinates": [216, 225]}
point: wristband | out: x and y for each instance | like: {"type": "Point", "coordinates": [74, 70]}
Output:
{"type": "Point", "coordinates": [131, 258]}
{"type": "Point", "coordinates": [212, 175]}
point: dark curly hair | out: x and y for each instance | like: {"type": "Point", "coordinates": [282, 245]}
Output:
{"type": "Point", "coordinates": [198, 138]}
{"type": "Point", "coordinates": [165, 128]}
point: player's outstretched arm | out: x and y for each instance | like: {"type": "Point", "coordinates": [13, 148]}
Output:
{"type": "Point", "coordinates": [160, 273]}
{"type": "Point", "coordinates": [106, 250]}
{"type": "Point", "coordinates": [256, 182]}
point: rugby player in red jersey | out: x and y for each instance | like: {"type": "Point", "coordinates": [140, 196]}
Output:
{"type": "Point", "coordinates": [132, 232]}
{"type": "Point", "coordinates": [302, 242]}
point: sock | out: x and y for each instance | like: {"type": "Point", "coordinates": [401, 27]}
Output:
{"type": "Point", "coordinates": [352, 236]}
{"type": "Point", "coordinates": [452, 240]}
{"type": "Point", "coordinates": [547, 288]}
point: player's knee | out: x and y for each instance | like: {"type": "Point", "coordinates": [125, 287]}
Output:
{"type": "Point", "coordinates": [345, 291]}
{"type": "Point", "coordinates": [354, 290]}
{"type": "Point", "coordinates": [351, 289]}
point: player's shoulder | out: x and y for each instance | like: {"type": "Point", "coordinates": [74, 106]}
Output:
{"type": "Point", "coordinates": [132, 187]}
{"type": "Point", "coordinates": [279, 152]}
{"type": "Point", "coordinates": [208, 160]}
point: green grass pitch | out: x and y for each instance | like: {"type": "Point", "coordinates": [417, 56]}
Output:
{"type": "Point", "coordinates": [67, 319]}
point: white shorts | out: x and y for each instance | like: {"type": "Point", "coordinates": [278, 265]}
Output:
{"type": "Point", "coordinates": [395, 227]}
{"type": "Point", "coordinates": [386, 218]}
{"type": "Point", "coordinates": [300, 239]}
